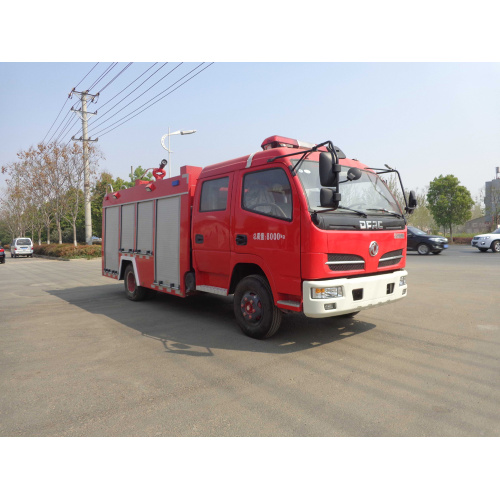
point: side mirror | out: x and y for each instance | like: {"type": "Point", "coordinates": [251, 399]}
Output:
{"type": "Point", "coordinates": [329, 198]}
{"type": "Point", "coordinates": [412, 203]}
{"type": "Point", "coordinates": [328, 171]}
{"type": "Point", "coordinates": [353, 174]}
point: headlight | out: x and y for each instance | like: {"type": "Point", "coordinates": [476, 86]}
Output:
{"type": "Point", "coordinates": [434, 239]}
{"type": "Point", "coordinates": [487, 237]}
{"type": "Point", "coordinates": [327, 293]}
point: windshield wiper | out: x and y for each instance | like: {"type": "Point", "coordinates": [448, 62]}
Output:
{"type": "Point", "coordinates": [386, 211]}
{"type": "Point", "coordinates": [359, 212]}
{"type": "Point", "coordinates": [333, 209]}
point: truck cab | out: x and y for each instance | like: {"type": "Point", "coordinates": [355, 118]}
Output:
{"type": "Point", "coordinates": [259, 232]}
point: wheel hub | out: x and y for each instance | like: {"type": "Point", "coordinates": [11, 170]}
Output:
{"type": "Point", "coordinates": [251, 307]}
{"type": "Point", "coordinates": [131, 282]}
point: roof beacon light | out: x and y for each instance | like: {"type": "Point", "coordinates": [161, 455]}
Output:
{"type": "Point", "coordinates": [116, 195]}
{"type": "Point", "coordinates": [150, 187]}
{"type": "Point", "coordinates": [277, 141]}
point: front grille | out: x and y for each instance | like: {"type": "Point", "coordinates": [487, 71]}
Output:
{"type": "Point", "coordinates": [345, 262]}
{"type": "Point", "coordinates": [390, 258]}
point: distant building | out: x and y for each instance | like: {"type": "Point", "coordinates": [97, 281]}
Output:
{"type": "Point", "coordinates": [477, 226]}
{"type": "Point", "coordinates": [492, 202]}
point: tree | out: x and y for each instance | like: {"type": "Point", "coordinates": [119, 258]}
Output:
{"type": "Point", "coordinates": [421, 216]}
{"type": "Point", "coordinates": [139, 173]}
{"type": "Point", "coordinates": [478, 208]}
{"type": "Point", "coordinates": [449, 202]}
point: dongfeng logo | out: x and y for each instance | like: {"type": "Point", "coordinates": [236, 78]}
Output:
{"type": "Point", "coordinates": [373, 248]}
{"type": "Point", "coordinates": [370, 224]}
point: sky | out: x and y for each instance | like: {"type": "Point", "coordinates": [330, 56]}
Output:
{"type": "Point", "coordinates": [425, 119]}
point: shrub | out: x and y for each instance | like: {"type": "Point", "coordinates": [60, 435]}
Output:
{"type": "Point", "coordinates": [68, 251]}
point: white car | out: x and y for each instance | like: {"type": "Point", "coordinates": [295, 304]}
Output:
{"type": "Point", "coordinates": [21, 246]}
{"type": "Point", "coordinates": [485, 241]}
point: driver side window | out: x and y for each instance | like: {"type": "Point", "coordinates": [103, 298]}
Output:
{"type": "Point", "coordinates": [268, 192]}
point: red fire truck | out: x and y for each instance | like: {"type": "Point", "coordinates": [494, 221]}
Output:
{"type": "Point", "coordinates": [295, 227]}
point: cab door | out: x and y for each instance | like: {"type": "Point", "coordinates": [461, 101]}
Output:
{"type": "Point", "coordinates": [210, 234]}
{"type": "Point", "coordinates": [266, 226]}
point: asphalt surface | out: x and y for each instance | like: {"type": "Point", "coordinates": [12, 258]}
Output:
{"type": "Point", "coordinates": [79, 359]}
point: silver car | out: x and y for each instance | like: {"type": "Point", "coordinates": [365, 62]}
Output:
{"type": "Point", "coordinates": [484, 241]}
{"type": "Point", "coordinates": [21, 246]}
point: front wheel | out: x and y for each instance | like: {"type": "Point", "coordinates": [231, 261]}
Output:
{"type": "Point", "coordinates": [254, 308]}
{"type": "Point", "coordinates": [495, 246]}
{"type": "Point", "coordinates": [132, 290]}
{"type": "Point", "coordinates": [423, 249]}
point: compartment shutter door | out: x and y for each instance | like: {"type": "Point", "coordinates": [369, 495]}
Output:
{"type": "Point", "coordinates": [145, 227]}
{"type": "Point", "coordinates": [111, 236]}
{"type": "Point", "coordinates": [167, 241]}
{"type": "Point", "coordinates": [128, 216]}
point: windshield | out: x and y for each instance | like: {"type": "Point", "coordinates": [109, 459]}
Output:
{"type": "Point", "coordinates": [496, 231]}
{"type": "Point", "coordinates": [368, 193]}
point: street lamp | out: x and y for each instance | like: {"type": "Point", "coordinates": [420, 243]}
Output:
{"type": "Point", "coordinates": [178, 132]}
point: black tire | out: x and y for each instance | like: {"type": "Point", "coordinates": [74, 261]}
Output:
{"type": "Point", "coordinates": [495, 246]}
{"type": "Point", "coordinates": [483, 249]}
{"type": "Point", "coordinates": [437, 252]}
{"type": "Point", "coordinates": [423, 249]}
{"type": "Point", "coordinates": [254, 308]}
{"type": "Point", "coordinates": [132, 291]}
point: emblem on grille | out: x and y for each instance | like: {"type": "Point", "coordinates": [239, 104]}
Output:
{"type": "Point", "coordinates": [373, 248]}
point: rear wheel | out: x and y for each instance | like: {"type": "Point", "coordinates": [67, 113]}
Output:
{"type": "Point", "coordinates": [132, 290]}
{"type": "Point", "coordinates": [423, 249]}
{"type": "Point", "coordinates": [254, 308]}
{"type": "Point", "coordinates": [495, 246]}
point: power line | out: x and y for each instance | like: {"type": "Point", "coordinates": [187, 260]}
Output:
{"type": "Point", "coordinates": [86, 75]}
{"type": "Point", "coordinates": [183, 83]}
{"type": "Point", "coordinates": [116, 95]}
{"type": "Point", "coordinates": [106, 71]}
{"type": "Point", "coordinates": [109, 83]}
{"type": "Point", "coordinates": [65, 105]}
{"type": "Point", "coordinates": [63, 120]}
{"type": "Point", "coordinates": [140, 95]}
{"type": "Point", "coordinates": [54, 122]}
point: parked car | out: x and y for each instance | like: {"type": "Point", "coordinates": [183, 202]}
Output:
{"type": "Point", "coordinates": [484, 241]}
{"type": "Point", "coordinates": [2, 255]}
{"type": "Point", "coordinates": [21, 246]}
{"type": "Point", "coordinates": [425, 243]}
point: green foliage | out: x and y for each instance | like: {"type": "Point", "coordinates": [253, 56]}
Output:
{"type": "Point", "coordinates": [449, 202]}
{"type": "Point", "coordinates": [139, 173]}
{"type": "Point", "coordinates": [68, 251]}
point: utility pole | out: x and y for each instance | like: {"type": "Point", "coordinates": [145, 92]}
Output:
{"type": "Point", "coordinates": [85, 139]}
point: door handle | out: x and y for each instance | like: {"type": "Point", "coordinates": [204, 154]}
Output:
{"type": "Point", "coordinates": [241, 239]}
{"type": "Point", "coordinates": [198, 238]}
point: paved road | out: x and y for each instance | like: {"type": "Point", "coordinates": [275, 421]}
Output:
{"type": "Point", "coordinates": [78, 359]}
